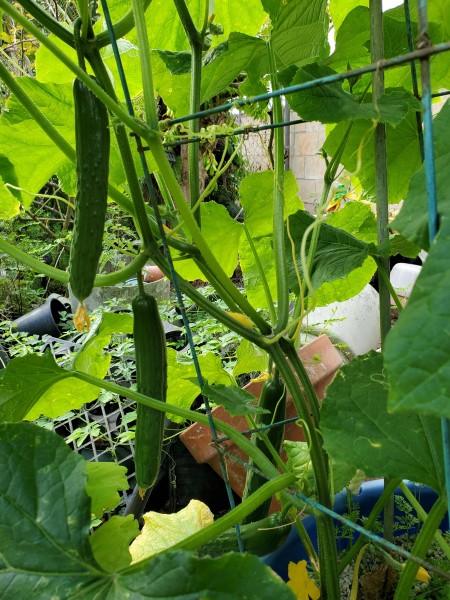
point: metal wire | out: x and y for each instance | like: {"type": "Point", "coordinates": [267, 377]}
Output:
{"type": "Point", "coordinates": [382, 64]}
{"type": "Point", "coordinates": [241, 131]}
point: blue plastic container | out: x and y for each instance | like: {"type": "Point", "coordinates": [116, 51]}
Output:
{"type": "Point", "coordinates": [293, 550]}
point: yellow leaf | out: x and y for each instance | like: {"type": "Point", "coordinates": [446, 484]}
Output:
{"type": "Point", "coordinates": [301, 583]}
{"type": "Point", "coordinates": [162, 531]}
{"type": "Point", "coordinates": [6, 37]}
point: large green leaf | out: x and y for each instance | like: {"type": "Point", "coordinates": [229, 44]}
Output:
{"type": "Point", "coordinates": [357, 428]}
{"type": "Point", "coordinates": [182, 378]}
{"type": "Point", "coordinates": [51, 70]}
{"type": "Point", "coordinates": [299, 34]}
{"type": "Point", "coordinates": [92, 358]}
{"type": "Point", "coordinates": [110, 542]}
{"type": "Point", "coordinates": [418, 347]}
{"type": "Point", "coordinates": [242, 50]}
{"type": "Point", "coordinates": [351, 41]}
{"type": "Point", "coordinates": [252, 276]}
{"type": "Point", "coordinates": [439, 31]}
{"type": "Point", "coordinates": [166, 31]}
{"type": "Point", "coordinates": [105, 480]}
{"type": "Point", "coordinates": [358, 220]}
{"type": "Point", "coordinates": [31, 158]}
{"type": "Point", "coordinates": [235, 400]}
{"type": "Point", "coordinates": [44, 522]}
{"type": "Point", "coordinates": [43, 495]}
{"type": "Point", "coordinates": [256, 198]}
{"type": "Point", "coordinates": [412, 221]}
{"type": "Point", "coordinates": [403, 155]}
{"type": "Point", "coordinates": [250, 358]}
{"type": "Point", "coordinates": [339, 9]}
{"type": "Point", "coordinates": [332, 104]}
{"type": "Point", "coordinates": [46, 389]}
{"type": "Point", "coordinates": [338, 253]}
{"type": "Point", "coordinates": [223, 235]}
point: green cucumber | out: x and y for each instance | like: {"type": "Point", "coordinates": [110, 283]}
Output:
{"type": "Point", "coordinates": [92, 139]}
{"type": "Point", "coordinates": [151, 377]}
{"type": "Point", "coordinates": [260, 538]}
{"type": "Point", "coordinates": [272, 399]}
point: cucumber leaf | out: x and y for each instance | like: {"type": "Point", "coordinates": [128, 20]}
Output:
{"type": "Point", "coordinates": [50, 510]}
{"type": "Point", "coordinates": [235, 400]}
{"type": "Point", "coordinates": [358, 430]}
{"type": "Point", "coordinates": [110, 543]}
{"type": "Point", "coordinates": [418, 348]}
{"type": "Point", "coordinates": [105, 480]}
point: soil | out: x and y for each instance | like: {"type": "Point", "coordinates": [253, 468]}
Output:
{"type": "Point", "coordinates": [377, 580]}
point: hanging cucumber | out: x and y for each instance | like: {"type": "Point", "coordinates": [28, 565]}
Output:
{"type": "Point", "coordinates": [151, 376]}
{"type": "Point", "coordinates": [272, 399]}
{"type": "Point", "coordinates": [92, 139]}
{"type": "Point", "coordinates": [260, 537]}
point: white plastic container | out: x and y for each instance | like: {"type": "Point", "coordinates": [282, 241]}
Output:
{"type": "Point", "coordinates": [355, 322]}
{"type": "Point", "coordinates": [403, 278]}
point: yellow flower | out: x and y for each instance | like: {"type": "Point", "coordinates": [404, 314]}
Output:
{"type": "Point", "coordinates": [301, 583]}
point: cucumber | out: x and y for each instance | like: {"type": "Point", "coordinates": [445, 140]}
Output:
{"type": "Point", "coordinates": [273, 399]}
{"type": "Point", "coordinates": [151, 377]}
{"type": "Point", "coordinates": [92, 138]}
{"type": "Point", "coordinates": [260, 537]}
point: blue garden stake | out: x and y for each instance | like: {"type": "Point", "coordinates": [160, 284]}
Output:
{"type": "Point", "coordinates": [169, 258]}
{"type": "Point", "coordinates": [423, 42]}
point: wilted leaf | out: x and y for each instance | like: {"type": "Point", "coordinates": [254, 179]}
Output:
{"type": "Point", "coordinates": [162, 531]}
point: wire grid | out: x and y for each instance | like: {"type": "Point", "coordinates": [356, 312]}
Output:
{"type": "Point", "coordinates": [105, 426]}
{"type": "Point", "coordinates": [255, 147]}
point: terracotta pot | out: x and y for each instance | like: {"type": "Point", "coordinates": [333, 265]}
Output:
{"type": "Point", "coordinates": [321, 361]}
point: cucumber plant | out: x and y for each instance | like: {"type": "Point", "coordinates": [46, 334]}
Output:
{"type": "Point", "coordinates": [282, 250]}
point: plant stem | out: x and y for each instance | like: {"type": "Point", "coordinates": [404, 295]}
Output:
{"type": "Point", "coordinates": [198, 239]}
{"type": "Point", "coordinates": [329, 577]}
{"type": "Point", "coordinates": [420, 548]}
{"type": "Point", "coordinates": [374, 514]}
{"type": "Point", "coordinates": [384, 275]}
{"type": "Point", "coordinates": [121, 28]}
{"type": "Point", "coordinates": [63, 276]}
{"type": "Point", "coordinates": [299, 370]}
{"type": "Point", "coordinates": [377, 52]}
{"type": "Point", "coordinates": [421, 513]}
{"type": "Point", "coordinates": [278, 205]}
{"type": "Point", "coordinates": [126, 155]}
{"type": "Point", "coordinates": [194, 148]}
{"type": "Point", "coordinates": [262, 275]}
{"type": "Point", "coordinates": [265, 492]}
{"type": "Point", "coordinates": [306, 541]}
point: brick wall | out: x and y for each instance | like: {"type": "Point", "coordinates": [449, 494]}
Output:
{"type": "Point", "coordinates": [306, 139]}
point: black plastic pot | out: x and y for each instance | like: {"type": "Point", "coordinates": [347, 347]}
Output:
{"type": "Point", "coordinates": [293, 551]}
{"type": "Point", "coordinates": [43, 320]}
